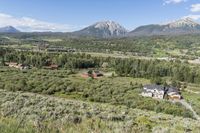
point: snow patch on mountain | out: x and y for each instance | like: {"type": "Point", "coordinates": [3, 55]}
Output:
{"type": "Point", "coordinates": [185, 22]}
{"type": "Point", "coordinates": [111, 26]}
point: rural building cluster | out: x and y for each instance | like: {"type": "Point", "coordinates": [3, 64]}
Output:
{"type": "Point", "coordinates": [161, 92]}
{"type": "Point", "coordinates": [17, 65]}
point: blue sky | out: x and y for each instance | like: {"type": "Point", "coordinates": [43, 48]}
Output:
{"type": "Point", "coordinates": [69, 15]}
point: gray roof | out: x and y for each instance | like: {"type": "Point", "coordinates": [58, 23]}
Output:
{"type": "Point", "coordinates": [162, 88]}
{"type": "Point", "coordinates": [172, 89]}
{"type": "Point", "coordinates": [154, 86]}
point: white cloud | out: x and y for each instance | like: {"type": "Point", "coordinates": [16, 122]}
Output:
{"type": "Point", "coordinates": [194, 17]}
{"type": "Point", "coordinates": [173, 1]}
{"type": "Point", "coordinates": [27, 24]}
{"type": "Point", "coordinates": [195, 8]}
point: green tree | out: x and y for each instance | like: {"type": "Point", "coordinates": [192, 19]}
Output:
{"type": "Point", "coordinates": [3, 61]}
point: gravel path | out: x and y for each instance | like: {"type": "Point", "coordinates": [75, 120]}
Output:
{"type": "Point", "coordinates": [188, 106]}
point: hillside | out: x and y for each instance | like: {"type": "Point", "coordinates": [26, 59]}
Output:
{"type": "Point", "coordinates": [37, 109]}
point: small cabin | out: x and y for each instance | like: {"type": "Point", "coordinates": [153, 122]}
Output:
{"type": "Point", "coordinates": [18, 66]}
{"type": "Point", "coordinates": [97, 74]}
{"type": "Point", "coordinates": [93, 74]}
{"type": "Point", "coordinates": [11, 64]}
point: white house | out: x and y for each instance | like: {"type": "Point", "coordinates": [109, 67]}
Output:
{"type": "Point", "coordinates": [159, 92]}
{"type": "Point", "coordinates": [155, 91]}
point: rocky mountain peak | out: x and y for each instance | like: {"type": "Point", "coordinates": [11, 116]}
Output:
{"type": "Point", "coordinates": [185, 22]}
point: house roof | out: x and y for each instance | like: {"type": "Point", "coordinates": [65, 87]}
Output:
{"type": "Point", "coordinates": [169, 89]}
{"type": "Point", "coordinates": [53, 65]}
{"type": "Point", "coordinates": [96, 71]}
{"type": "Point", "coordinates": [154, 86]}
{"type": "Point", "coordinates": [172, 89]}
{"type": "Point", "coordinates": [12, 63]}
{"type": "Point", "coordinates": [145, 91]}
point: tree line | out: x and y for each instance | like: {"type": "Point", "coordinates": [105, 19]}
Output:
{"type": "Point", "coordinates": [155, 68]}
{"type": "Point", "coordinates": [137, 68]}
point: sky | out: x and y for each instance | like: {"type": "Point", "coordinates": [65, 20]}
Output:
{"type": "Point", "coordinates": [71, 15]}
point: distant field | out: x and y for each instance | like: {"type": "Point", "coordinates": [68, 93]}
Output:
{"type": "Point", "coordinates": [181, 47]}
{"type": "Point", "coordinates": [53, 40]}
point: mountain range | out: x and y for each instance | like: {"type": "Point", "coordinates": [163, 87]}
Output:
{"type": "Point", "coordinates": [109, 29]}
{"type": "Point", "coordinates": [178, 27]}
